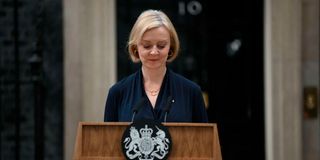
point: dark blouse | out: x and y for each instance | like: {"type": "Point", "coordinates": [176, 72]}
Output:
{"type": "Point", "coordinates": [187, 106]}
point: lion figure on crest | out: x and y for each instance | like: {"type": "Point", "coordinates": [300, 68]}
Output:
{"type": "Point", "coordinates": [131, 144]}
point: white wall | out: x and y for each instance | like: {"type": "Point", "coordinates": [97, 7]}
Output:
{"type": "Point", "coordinates": [89, 62]}
{"type": "Point", "coordinates": [283, 88]}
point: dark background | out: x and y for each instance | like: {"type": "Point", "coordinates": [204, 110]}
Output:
{"type": "Point", "coordinates": [31, 82]}
{"type": "Point", "coordinates": [222, 51]}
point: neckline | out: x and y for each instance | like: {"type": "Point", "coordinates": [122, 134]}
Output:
{"type": "Point", "coordinates": [164, 84]}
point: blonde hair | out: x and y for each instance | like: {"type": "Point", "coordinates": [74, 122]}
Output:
{"type": "Point", "coordinates": [147, 20]}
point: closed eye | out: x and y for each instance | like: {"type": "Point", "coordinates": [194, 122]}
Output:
{"type": "Point", "coordinates": [147, 47]}
{"type": "Point", "coordinates": [161, 46]}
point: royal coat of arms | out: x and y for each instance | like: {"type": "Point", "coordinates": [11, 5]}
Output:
{"type": "Point", "coordinates": [151, 142]}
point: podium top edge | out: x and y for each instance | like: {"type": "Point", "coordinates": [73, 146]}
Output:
{"type": "Point", "coordinates": [165, 124]}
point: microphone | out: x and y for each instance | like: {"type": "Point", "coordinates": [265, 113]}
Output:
{"type": "Point", "coordinates": [167, 107]}
{"type": "Point", "coordinates": [137, 107]}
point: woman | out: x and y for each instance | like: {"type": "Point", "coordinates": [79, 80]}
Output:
{"type": "Point", "coordinates": [161, 94]}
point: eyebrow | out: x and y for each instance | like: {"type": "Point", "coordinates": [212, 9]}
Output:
{"type": "Point", "coordinates": [146, 41]}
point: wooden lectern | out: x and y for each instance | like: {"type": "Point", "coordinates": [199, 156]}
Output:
{"type": "Point", "coordinates": [190, 141]}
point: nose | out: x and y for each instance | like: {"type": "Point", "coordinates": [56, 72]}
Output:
{"type": "Point", "coordinates": [154, 50]}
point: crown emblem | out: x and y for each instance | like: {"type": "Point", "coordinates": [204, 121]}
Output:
{"type": "Point", "coordinates": [146, 132]}
{"type": "Point", "coordinates": [139, 143]}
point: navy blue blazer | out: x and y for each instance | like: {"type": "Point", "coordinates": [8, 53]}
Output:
{"type": "Point", "coordinates": [188, 104]}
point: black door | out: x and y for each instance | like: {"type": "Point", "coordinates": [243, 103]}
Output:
{"type": "Point", "coordinates": [222, 51]}
{"type": "Point", "coordinates": [31, 82]}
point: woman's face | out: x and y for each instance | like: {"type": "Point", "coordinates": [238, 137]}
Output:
{"type": "Point", "coordinates": [154, 47]}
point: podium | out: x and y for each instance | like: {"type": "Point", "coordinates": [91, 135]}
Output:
{"type": "Point", "coordinates": [190, 141]}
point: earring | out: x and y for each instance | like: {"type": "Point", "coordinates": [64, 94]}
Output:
{"type": "Point", "coordinates": [170, 54]}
